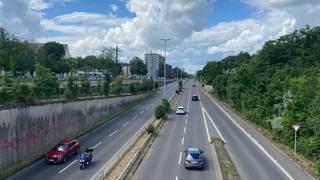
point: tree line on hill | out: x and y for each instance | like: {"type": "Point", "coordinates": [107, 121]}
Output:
{"type": "Point", "coordinates": [276, 87]}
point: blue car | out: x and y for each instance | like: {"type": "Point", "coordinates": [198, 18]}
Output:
{"type": "Point", "coordinates": [193, 158]}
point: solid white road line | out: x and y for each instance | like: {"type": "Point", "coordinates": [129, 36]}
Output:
{"type": "Point", "coordinates": [182, 141]}
{"type": "Point", "coordinates": [67, 166]}
{"type": "Point", "coordinates": [113, 133]}
{"type": "Point", "coordinates": [214, 125]}
{"type": "Point", "coordinates": [125, 124]}
{"type": "Point", "coordinates": [180, 155]}
{"type": "Point", "coordinates": [177, 178]}
{"type": "Point", "coordinates": [205, 124]}
{"type": "Point", "coordinates": [97, 145]}
{"type": "Point", "coordinates": [186, 122]}
{"type": "Point", "coordinates": [256, 143]}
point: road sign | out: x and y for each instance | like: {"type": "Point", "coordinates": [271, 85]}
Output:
{"type": "Point", "coordinates": [295, 127]}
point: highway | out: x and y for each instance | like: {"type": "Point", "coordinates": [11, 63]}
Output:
{"type": "Point", "coordinates": [166, 157]}
{"type": "Point", "coordinates": [254, 156]}
{"type": "Point", "coordinates": [107, 140]}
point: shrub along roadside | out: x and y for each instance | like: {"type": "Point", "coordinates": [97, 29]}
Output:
{"type": "Point", "coordinates": [162, 109]}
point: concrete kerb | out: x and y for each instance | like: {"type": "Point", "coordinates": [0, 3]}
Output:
{"type": "Point", "coordinates": [103, 172]}
{"type": "Point", "coordinates": [218, 172]}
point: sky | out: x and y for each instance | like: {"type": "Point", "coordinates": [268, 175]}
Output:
{"type": "Point", "coordinates": [199, 30]}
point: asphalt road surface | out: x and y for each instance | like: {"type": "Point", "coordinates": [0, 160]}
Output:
{"type": "Point", "coordinates": [254, 156]}
{"type": "Point", "coordinates": [107, 140]}
{"type": "Point", "coordinates": [166, 157]}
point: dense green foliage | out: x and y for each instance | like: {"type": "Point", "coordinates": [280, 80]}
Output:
{"type": "Point", "coordinates": [144, 86]}
{"type": "Point", "coordinates": [162, 109]}
{"type": "Point", "coordinates": [138, 67]}
{"type": "Point", "coordinates": [21, 82]}
{"type": "Point", "coordinates": [277, 87]}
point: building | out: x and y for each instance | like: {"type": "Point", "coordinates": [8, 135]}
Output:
{"type": "Point", "coordinates": [153, 60]}
{"type": "Point", "coordinates": [126, 70]}
{"type": "Point", "coordinates": [169, 72]}
{"type": "Point", "coordinates": [36, 46]}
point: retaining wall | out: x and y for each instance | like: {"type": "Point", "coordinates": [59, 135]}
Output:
{"type": "Point", "coordinates": [31, 129]}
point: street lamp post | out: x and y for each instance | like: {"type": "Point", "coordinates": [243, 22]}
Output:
{"type": "Point", "coordinates": [164, 66]}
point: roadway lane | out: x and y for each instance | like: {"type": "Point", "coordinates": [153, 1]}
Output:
{"type": "Point", "coordinates": [254, 156]}
{"type": "Point", "coordinates": [107, 140]}
{"type": "Point", "coordinates": [165, 159]}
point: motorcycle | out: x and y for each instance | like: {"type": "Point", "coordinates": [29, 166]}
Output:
{"type": "Point", "coordinates": [86, 158]}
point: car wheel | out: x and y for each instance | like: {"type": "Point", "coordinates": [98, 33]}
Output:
{"type": "Point", "coordinates": [65, 159]}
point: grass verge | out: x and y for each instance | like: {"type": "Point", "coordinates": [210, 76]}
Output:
{"type": "Point", "coordinates": [228, 169]}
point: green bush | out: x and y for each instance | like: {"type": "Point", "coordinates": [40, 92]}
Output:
{"type": "Point", "coordinates": [160, 111]}
{"type": "Point", "coordinates": [166, 105]}
{"type": "Point", "coordinates": [150, 129]}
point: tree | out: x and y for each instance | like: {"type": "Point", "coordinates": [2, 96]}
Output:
{"type": "Point", "coordinates": [116, 87]}
{"type": "Point", "coordinates": [15, 56]}
{"type": "Point", "coordinates": [99, 88]}
{"type": "Point", "coordinates": [23, 93]}
{"type": "Point", "coordinates": [160, 111]}
{"type": "Point", "coordinates": [166, 105]}
{"type": "Point", "coordinates": [85, 86]}
{"type": "Point", "coordinates": [137, 66]}
{"type": "Point", "coordinates": [50, 56]}
{"type": "Point", "coordinates": [72, 87]}
{"type": "Point", "coordinates": [106, 85]}
{"type": "Point", "coordinates": [6, 87]}
{"type": "Point", "coordinates": [132, 88]}
{"type": "Point", "coordinates": [46, 83]}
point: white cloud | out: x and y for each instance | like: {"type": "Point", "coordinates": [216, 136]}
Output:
{"type": "Point", "coordinates": [18, 18]}
{"type": "Point", "coordinates": [114, 7]}
{"type": "Point", "coordinates": [39, 5]}
{"type": "Point", "coordinates": [183, 21]}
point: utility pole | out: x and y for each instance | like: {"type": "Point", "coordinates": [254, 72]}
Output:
{"type": "Point", "coordinates": [164, 66]}
{"type": "Point", "coordinates": [116, 54]}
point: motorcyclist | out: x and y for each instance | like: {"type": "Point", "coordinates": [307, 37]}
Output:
{"type": "Point", "coordinates": [88, 155]}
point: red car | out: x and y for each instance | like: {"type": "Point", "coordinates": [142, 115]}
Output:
{"type": "Point", "coordinates": [62, 151]}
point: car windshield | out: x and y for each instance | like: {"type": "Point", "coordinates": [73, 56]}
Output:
{"type": "Point", "coordinates": [61, 147]}
{"type": "Point", "coordinates": [194, 155]}
{"type": "Point", "coordinates": [180, 108]}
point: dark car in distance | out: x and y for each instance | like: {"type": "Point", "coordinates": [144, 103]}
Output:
{"type": "Point", "coordinates": [63, 151]}
{"type": "Point", "coordinates": [193, 158]}
{"type": "Point", "coordinates": [195, 98]}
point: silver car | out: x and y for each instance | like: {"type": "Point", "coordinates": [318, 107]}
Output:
{"type": "Point", "coordinates": [180, 110]}
{"type": "Point", "coordinates": [193, 158]}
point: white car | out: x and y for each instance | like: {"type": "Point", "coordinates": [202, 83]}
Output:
{"type": "Point", "coordinates": [180, 110]}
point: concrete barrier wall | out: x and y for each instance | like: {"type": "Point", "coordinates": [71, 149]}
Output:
{"type": "Point", "coordinates": [28, 130]}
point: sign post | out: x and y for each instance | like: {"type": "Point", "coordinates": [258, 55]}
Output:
{"type": "Point", "coordinates": [295, 128]}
